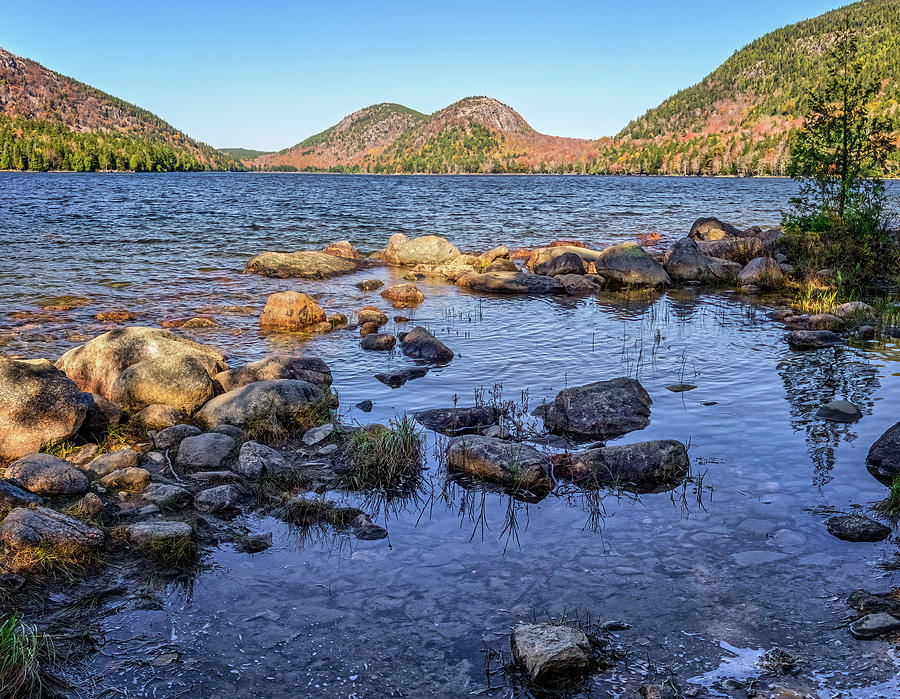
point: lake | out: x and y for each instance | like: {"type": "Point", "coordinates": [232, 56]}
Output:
{"type": "Point", "coordinates": [707, 576]}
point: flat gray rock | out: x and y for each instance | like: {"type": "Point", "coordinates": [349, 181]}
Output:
{"type": "Point", "coordinates": [222, 498]}
{"type": "Point", "coordinates": [813, 339]}
{"type": "Point", "coordinates": [549, 652]}
{"type": "Point", "coordinates": [256, 459]}
{"type": "Point", "coordinates": [856, 528]}
{"type": "Point", "coordinates": [205, 452]}
{"type": "Point", "coordinates": [48, 475]}
{"type": "Point", "coordinates": [159, 531]}
{"type": "Point", "coordinates": [874, 625]}
{"type": "Point", "coordinates": [167, 497]}
{"type": "Point", "coordinates": [839, 411]}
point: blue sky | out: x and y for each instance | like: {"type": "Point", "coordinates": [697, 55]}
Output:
{"type": "Point", "coordinates": [268, 74]}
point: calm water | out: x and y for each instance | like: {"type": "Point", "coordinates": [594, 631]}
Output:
{"type": "Point", "coordinates": [707, 575]}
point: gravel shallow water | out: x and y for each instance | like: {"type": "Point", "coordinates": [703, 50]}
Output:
{"type": "Point", "coordinates": [708, 575]}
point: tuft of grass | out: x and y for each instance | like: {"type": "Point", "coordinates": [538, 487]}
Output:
{"type": "Point", "coordinates": [272, 430]}
{"type": "Point", "coordinates": [25, 656]}
{"type": "Point", "coordinates": [60, 449]}
{"type": "Point", "coordinates": [53, 560]}
{"type": "Point", "coordinates": [813, 299]}
{"type": "Point", "coordinates": [174, 554]}
{"type": "Point", "coordinates": [385, 457]}
{"type": "Point", "coordinates": [891, 504]}
{"type": "Point", "coordinates": [307, 511]}
{"type": "Point", "coordinates": [271, 489]}
{"type": "Point", "coordinates": [116, 437]}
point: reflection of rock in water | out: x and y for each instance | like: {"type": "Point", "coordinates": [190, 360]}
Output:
{"type": "Point", "coordinates": [812, 379]}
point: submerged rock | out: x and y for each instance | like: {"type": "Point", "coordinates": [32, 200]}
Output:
{"type": "Point", "coordinates": [839, 411]}
{"type": "Point", "coordinates": [628, 264]}
{"type": "Point", "coordinates": [424, 250]}
{"type": "Point", "coordinates": [856, 528]}
{"type": "Point", "coordinates": [291, 310]}
{"type": "Point", "coordinates": [96, 365]}
{"type": "Point", "coordinates": [456, 421]}
{"type": "Point", "coordinates": [280, 366]}
{"type": "Point", "coordinates": [305, 264]}
{"type": "Point", "coordinates": [600, 410]}
{"type": "Point", "coordinates": [421, 344]}
{"type": "Point", "coordinates": [370, 285]}
{"type": "Point", "coordinates": [39, 405]}
{"type": "Point", "coordinates": [397, 378]}
{"type": "Point", "coordinates": [259, 401]}
{"type": "Point", "coordinates": [883, 459]}
{"type": "Point", "coordinates": [874, 625]}
{"type": "Point", "coordinates": [509, 464]}
{"type": "Point", "coordinates": [648, 465]}
{"type": "Point", "coordinates": [48, 475]}
{"type": "Point", "coordinates": [25, 527]}
{"type": "Point", "coordinates": [550, 652]}
{"type": "Point", "coordinates": [813, 339]}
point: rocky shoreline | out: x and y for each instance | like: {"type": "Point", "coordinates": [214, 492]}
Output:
{"type": "Point", "coordinates": [141, 445]}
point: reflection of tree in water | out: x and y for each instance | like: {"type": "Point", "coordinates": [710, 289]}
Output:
{"type": "Point", "coordinates": [812, 379]}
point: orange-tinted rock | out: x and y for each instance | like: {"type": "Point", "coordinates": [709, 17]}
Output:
{"type": "Point", "coordinates": [115, 316]}
{"type": "Point", "coordinates": [291, 310]}
{"type": "Point", "coordinates": [403, 295]}
{"type": "Point", "coordinates": [343, 249]}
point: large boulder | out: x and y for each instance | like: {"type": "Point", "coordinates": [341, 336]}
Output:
{"type": "Point", "coordinates": [550, 653]}
{"type": "Point", "coordinates": [311, 369]}
{"type": "Point", "coordinates": [883, 459]}
{"type": "Point", "coordinates": [421, 344]}
{"type": "Point", "coordinates": [291, 310]}
{"type": "Point", "coordinates": [424, 250]}
{"type": "Point", "coordinates": [647, 465]}
{"type": "Point", "coordinates": [179, 381]}
{"type": "Point", "coordinates": [306, 264]}
{"type": "Point", "coordinates": [27, 527]}
{"type": "Point", "coordinates": [510, 283]}
{"type": "Point", "coordinates": [47, 475]}
{"type": "Point", "coordinates": [39, 406]}
{"type": "Point", "coordinates": [742, 250]}
{"type": "Point", "coordinates": [600, 410]}
{"type": "Point", "coordinates": [713, 229]}
{"type": "Point", "coordinates": [278, 400]}
{"type": "Point", "coordinates": [456, 421]}
{"type": "Point", "coordinates": [96, 365]}
{"type": "Point", "coordinates": [512, 465]}
{"type": "Point", "coordinates": [685, 262]}
{"type": "Point", "coordinates": [628, 264]}
{"type": "Point", "coordinates": [764, 272]}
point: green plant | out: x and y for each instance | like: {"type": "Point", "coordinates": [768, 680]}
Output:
{"type": "Point", "coordinates": [114, 437]}
{"type": "Point", "coordinates": [270, 429]}
{"type": "Point", "coordinates": [891, 504]}
{"type": "Point", "coordinates": [386, 457]}
{"type": "Point", "coordinates": [52, 560]}
{"type": "Point", "coordinates": [25, 655]}
{"type": "Point", "coordinates": [177, 554]}
{"type": "Point", "coordinates": [61, 449]}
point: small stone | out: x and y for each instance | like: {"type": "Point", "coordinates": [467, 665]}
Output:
{"type": "Point", "coordinates": [113, 461]}
{"type": "Point", "coordinates": [395, 379]}
{"type": "Point", "coordinates": [256, 459]}
{"type": "Point", "coordinates": [839, 411]}
{"type": "Point", "coordinates": [172, 436]}
{"type": "Point", "coordinates": [148, 510]}
{"type": "Point", "coordinates": [167, 497]}
{"type": "Point", "coordinates": [813, 339]}
{"type": "Point", "coordinates": [856, 528]}
{"type": "Point", "coordinates": [236, 433]}
{"type": "Point", "coordinates": [370, 284]}
{"type": "Point", "coordinates": [13, 496]}
{"type": "Point", "coordinates": [91, 504]}
{"type": "Point", "coordinates": [205, 451]}
{"type": "Point", "coordinates": [874, 625]}
{"type": "Point", "coordinates": [681, 387]}
{"type": "Point", "coordinates": [127, 478]}
{"type": "Point", "coordinates": [317, 434]}
{"type": "Point", "coordinates": [327, 450]}
{"type": "Point", "coordinates": [221, 498]}
{"type": "Point", "coordinates": [83, 455]}
{"type": "Point", "coordinates": [381, 342]}
{"type": "Point", "coordinates": [365, 405]}
{"type": "Point", "coordinates": [157, 532]}
{"type": "Point", "coordinates": [866, 332]}
{"type": "Point", "coordinates": [366, 530]}
{"type": "Point", "coordinates": [254, 543]}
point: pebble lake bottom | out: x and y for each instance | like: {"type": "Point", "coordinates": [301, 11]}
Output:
{"type": "Point", "coordinates": [707, 576]}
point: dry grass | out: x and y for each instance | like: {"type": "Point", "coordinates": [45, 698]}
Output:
{"type": "Point", "coordinates": [56, 561]}
{"type": "Point", "coordinates": [271, 430]}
